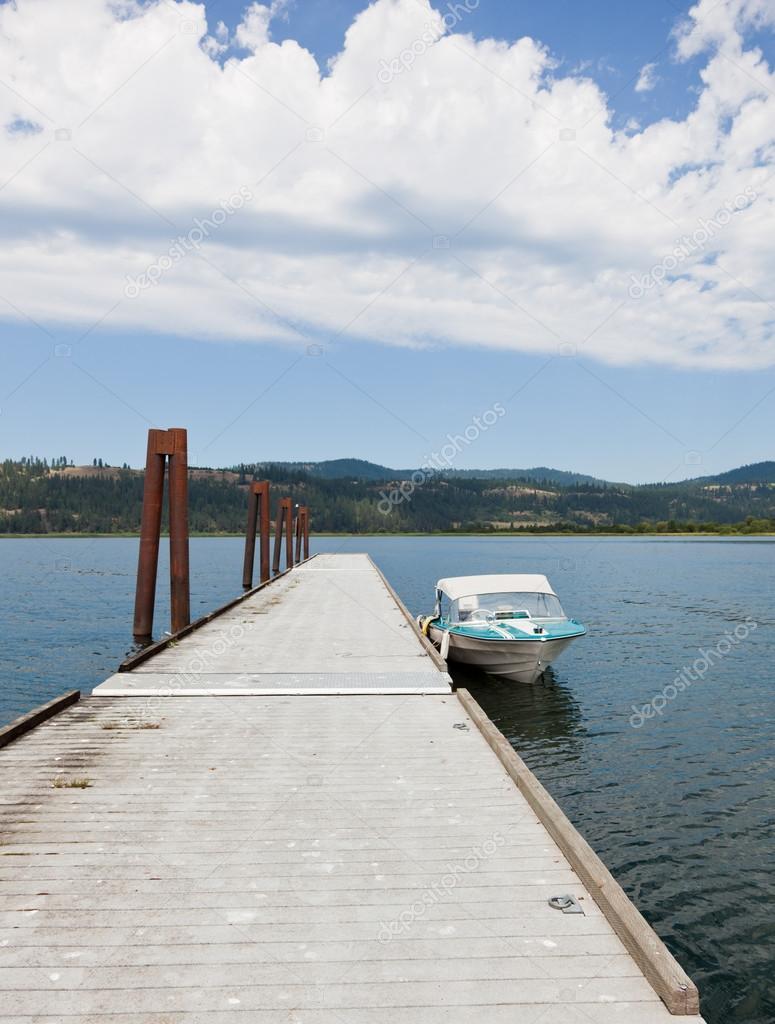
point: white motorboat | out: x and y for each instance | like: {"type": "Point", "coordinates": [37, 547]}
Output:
{"type": "Point", "coordinates": [507, 625]}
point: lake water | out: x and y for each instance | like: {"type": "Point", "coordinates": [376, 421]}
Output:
{"type": "Point", "coordinates": [679, 805]}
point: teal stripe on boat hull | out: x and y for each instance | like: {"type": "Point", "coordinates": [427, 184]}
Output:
{"type": "Point", "coordinates": [520, 660]}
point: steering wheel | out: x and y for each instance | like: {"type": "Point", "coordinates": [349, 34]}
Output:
{"type": "Point", "coordinates": [483, 615]}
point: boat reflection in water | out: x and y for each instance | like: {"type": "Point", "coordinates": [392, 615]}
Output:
{"type": "Point", "coordinates": [545, 718]}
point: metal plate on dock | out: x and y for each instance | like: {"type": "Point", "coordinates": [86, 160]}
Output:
{"type": "Point", "coordinates": [205, 684]}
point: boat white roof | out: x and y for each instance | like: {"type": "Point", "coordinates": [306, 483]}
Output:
{"type": "Point", "coordinates": [465, 586]}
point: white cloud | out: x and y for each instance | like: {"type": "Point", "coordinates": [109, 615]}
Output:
{"type": "Point", "coordinates": [218, 43]}
{"type": "Point", "coordinates": [253, 32]}
{"type": "Point", "coordinates": [477, 197]}
{"type": "Point", "coordinates": [721, 23]}
{"type": "Point", "coordinates": [647, 78]}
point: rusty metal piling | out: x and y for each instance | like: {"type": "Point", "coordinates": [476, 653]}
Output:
{"type": "Point", "coordinates": [258, 519]}
{"type": "Point", "coordinates": [164, 445]}
{"type": "Point", "coordinates": [284, 522]}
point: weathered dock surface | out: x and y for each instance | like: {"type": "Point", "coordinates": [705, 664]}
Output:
{"type": "Point", "coordinates": [330, 625]}
{"type": "Point", "coordinates": [337, 857]}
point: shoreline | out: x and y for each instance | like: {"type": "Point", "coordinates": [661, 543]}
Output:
{"type": "Point", "coordinates": [695, 535]}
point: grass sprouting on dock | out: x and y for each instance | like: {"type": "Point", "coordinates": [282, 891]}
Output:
{"type": "Point", "coordinates": [61, 783]}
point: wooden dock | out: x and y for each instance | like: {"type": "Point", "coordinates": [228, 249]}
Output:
{"type": "Point", "coordinates": [287, 815]}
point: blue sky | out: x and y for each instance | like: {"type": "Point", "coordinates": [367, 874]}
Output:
{"type": "Point", "coordinates": [244, 403]}
{"type": "Point", "coordinates": [603, 403]}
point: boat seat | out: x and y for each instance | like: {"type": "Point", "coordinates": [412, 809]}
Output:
{"type": "Point", "coordinates": [466, 606]}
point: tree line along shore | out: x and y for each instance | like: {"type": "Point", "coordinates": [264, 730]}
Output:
{"type": "Point", "coordinates": [56, 498]}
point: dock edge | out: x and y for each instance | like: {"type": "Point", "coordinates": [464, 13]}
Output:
{"type": "Point", "coordinates": [663, 972]}
{"type": "Point", "coordinates": [19, 726]}
{"type": "Point", "coordinates": [428, 647]}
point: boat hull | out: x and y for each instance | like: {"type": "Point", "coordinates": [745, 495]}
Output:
{"type": "Point", "coordinates": [521, 661]}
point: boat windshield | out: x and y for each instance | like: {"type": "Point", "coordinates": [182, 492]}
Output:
{"type": "Point", "coordinates": [511, 605]}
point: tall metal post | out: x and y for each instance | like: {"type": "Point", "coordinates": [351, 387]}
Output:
{"type": "Point", "coordinates": [263, 530]}
{"type": "Point", "coordinates": [302, 533]}
{"type": "Point", "coordinates": [150, 531]}
{"type": "Point", "coordinates": [284, 521]}
{"type": "Point", "coordinates": [178, 502]}
{"type": "Point", "coordinates": [258, 517]}
{"type": "Point", "coordinates": [250, 540]}
{"type": "Point", "coordinates": [163, 444]}
{"type": "Point", "coordinates": [297, 534]}
{"type": "Point", "coordinates": [289, 535]}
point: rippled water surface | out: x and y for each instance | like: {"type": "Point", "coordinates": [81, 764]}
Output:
{"type": "Point", "coordinates": [680, 808]}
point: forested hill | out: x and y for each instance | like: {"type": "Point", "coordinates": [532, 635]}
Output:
{"type": "Point", "coordinates": [360, 469]}
{"type": "Point", "coordinates": [758, 472]}
{"type": "Point", "coordinates": [41, 497]}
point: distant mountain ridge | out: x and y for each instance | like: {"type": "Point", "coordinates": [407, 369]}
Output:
{"type": "Point", "coordinates": [361, 469]}
{"type": "Point", "coordinates": [754, 473]}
